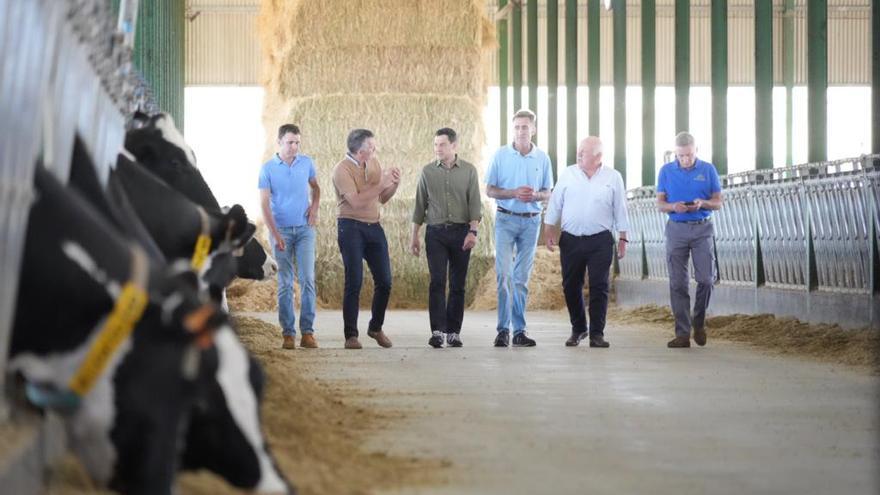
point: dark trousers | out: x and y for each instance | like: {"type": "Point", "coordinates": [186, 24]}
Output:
{"type": "Point", "coordinates": [359, 242]}
{"type": "Point", "coordinates": [592, 254]}
{"type": "Point", "coordinates": [443, 248]}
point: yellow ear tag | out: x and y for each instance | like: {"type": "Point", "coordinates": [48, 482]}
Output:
{"type": "Point", "coordinates": [126, 312]}
{"type": "Point", "coordinates": [200, 254]}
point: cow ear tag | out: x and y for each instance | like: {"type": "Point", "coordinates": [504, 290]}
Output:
{"type": "Point", "coordinates": [47, 397]}
{"type": "Point", "coordinates": [200, 253]}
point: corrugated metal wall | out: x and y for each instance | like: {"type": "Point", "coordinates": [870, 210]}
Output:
{"type": "Point", "coordinates": [222, 46]}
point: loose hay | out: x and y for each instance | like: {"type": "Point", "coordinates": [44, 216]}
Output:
{"type": "Point", "coordinates": [315, 434]}
{"type": "Point", "coordinates": [822, 342]}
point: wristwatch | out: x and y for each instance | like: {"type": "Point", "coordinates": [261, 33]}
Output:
{"type": "Point", "coordinates": [472, 231]}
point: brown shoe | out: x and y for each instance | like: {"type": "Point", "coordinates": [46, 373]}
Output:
{"type": "Point", "coordinates": [289, 342]}
{"type": "Point", "coordinates": [575, 338]}
{"type": "Point", "coordinates": [352, 343]}
{"type": "Point", "coordinates": [700, 336]}
{"type": "Point", "coordinates": [679, 342]}
{"type": "Point", "coordinates": [308, 341]}
{"type": "Point", "coordinates": [380, 337]}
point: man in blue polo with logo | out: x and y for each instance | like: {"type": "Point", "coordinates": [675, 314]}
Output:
{"type": "Point", "coordinates": [688, 190]}
{"type": "Point", "coordinates": [285, 182]}
{"type": "Point", "coordinates": [519, 179]}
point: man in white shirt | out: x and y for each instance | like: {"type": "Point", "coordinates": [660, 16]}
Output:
{"type": "Point", "coordinates": [590, 202]}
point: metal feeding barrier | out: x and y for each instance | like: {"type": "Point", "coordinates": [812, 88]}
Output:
{"type": "Point", "coordinates": [812, 227]}
{"type": "Point", "coordinates": [65, 69]}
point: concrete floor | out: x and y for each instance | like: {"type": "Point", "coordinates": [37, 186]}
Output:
{"type": "Point", "coordinates": [635, 418]}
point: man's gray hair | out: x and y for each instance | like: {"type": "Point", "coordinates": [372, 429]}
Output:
{"type": "Point", "coordinates": [684, 138]}
{"type": "Point", "coordinates": [525, 112]}
{"type": "Point", "coordinates": [356, 139]}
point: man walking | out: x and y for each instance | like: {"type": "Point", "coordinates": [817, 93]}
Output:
{"type": "Point", "coordinates": [590, 202]}
{"type": "Point", "coordinates": [519, 179]}
{"type": "Point", "coordinates": [285, 182]}
{"type": "Point", "coordinates": [688, 190]}
{"type": "Point", "coordinates": [448, 196]}
{"type": "Point", "coordinates": [361, 185]}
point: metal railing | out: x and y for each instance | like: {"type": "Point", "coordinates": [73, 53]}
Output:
{"type": "Point", "coordinates": [64, 69]}
{"type": "Point", "coordinates": [808, 227]}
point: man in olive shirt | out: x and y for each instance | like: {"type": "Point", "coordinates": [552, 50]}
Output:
{"type": "Point", "coordinates": [449, 197]}
{"type": "Point", "coordinates": [361, 184]}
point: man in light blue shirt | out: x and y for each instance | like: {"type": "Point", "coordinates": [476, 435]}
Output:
{"type": "Point", "coordinates": [285, 182]}
{"type": "Point", "coordinates": [688, 189]}
{"type": "Point", "coordinates": [589, 200]}
{"type": "Point", "coordinates": [519, 179]}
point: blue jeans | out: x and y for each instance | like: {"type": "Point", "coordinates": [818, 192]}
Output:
{"type": "Point", "coordinates": [359, 242]}
{"type": "Point", "coordinates": [515, 241]}
{"type": "Point", "coordinates": [299, 243]}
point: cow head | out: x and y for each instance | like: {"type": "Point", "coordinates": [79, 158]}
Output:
{"type": "Point", "coordinates": [128, 427]}
{"type": "Point", "coordinates": [255, 263]}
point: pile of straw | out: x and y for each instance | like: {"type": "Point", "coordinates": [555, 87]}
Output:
{"type": "Point", "coordinates": [401, 69]}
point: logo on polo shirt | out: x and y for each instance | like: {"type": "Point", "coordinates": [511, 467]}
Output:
{"type": "Point", "coordinates": [700, 177]}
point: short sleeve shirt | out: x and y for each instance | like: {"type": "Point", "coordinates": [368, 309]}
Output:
{"type": "Point", "coordinates": [699, 182]}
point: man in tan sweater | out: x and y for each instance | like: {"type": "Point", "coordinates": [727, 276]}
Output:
{"type": "Point", "coordinates": [360, 185]}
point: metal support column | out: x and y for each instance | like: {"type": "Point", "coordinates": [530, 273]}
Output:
{"type": "Point", "coordinates": [504, 117]}
{"type": "Point", "coordinates": [719, 85]}
{"type": "Point", "coordinates": [682, 64]}
{"type": "Point", "coordinates": [875, 78]}
{"type": "Point", "coordinates": [763, 85]}
{"type": "Point", "coordinates": [532, 56]}
{"type": "Point", "coordinates": [593, 39]}
{"type": "Point", "coordinates": [517, 54]}
{"type": "Point", "coordinates": [649, 83]}
{"type": "Point", "coordinates": [817, 80]}
{"type": "Point", "coordinates": [552, 83]}
{"type": "Point", "coordinates": [571, 80]}
{"type": "Point", "coordinates": [619, 19]}
{"type": "Point", "coordinates": [788, 77]}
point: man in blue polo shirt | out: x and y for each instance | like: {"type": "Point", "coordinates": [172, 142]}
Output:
{"type": "Point", "coordinates": [285, 181]}
{"type": "Point", "coordinates": [519, 179]}
{"type": "Point", "coordinates": [688, 190]}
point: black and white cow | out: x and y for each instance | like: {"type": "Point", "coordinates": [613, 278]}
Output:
{"type": "Point", "coordinates": [76, 276]}
{"type": "Point", "coordinates": [158, 146]}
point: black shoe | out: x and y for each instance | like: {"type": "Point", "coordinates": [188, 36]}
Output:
{"type": "Point", "coordinates": [599, 341]}
{"type": "Point", "coordinates": [679, 342]}
{"type": "Point", "coordinates": [575, 339]}
{"type": "Point", "coordinates": [436, 340]}
{"type": "Point", "coordinates": [502, 339]}
{"type": "Point", "coordinates": [453, 340]}
{"type": "Point", "coordinates": [700, 336]}
{"type": "Point", "coordinates": [523, 340]}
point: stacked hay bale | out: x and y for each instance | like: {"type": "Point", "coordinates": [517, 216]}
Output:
{"type": "Point", "coordinates": [402, 68]}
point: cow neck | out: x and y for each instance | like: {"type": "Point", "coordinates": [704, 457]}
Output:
{"type": "Point", "coordinates": [128, 309]}
{"type": "Point", "coordinates": [203, 243]}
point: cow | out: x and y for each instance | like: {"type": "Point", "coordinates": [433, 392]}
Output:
{"type": "Point", "coordinates": [158, 146]}
{"type": "Point", "coordinates": [126, 349]}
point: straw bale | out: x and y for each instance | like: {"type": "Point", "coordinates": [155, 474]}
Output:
{"type": "Point", "coordinates": [428, 70]}
{"type": "Point", "coordinates": [402, 68]}
{"type": "Point", "coordinates": [295, 26]}
{"type": "Point", "coordinates": [545, 285]}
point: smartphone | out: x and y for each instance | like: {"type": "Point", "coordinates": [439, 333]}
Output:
{"type": "Point", "coordinates": [689, 203]}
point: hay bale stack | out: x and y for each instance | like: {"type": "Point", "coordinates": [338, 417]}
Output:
{"type": "Point", "coordinates": [545, 285]}
{"type": "Point", "coordinates": [400, 68]}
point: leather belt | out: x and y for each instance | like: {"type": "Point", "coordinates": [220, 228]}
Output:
{"type": "Point", "coordinates": [525, 215]}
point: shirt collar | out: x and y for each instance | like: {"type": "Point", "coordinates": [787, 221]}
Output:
{"type": "Point", "coordinates": [531, 151]}
{"type": "Point", "coordinates": [279, 161]}
{"type": "Point", "coordinates": [454, 162]}
{"type": "Point", "coordinates": [352, 159]}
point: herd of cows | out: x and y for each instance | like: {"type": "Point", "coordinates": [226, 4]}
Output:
{"type": "Point", "coordinates": [120, 323]}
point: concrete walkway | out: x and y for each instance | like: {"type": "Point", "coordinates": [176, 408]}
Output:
{"type": "Point", "coordinates": [635, 418]}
